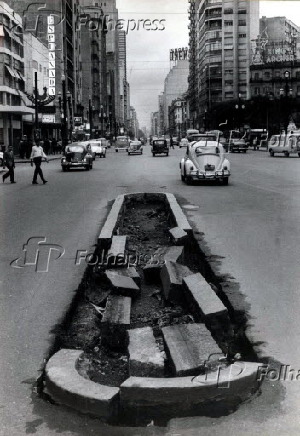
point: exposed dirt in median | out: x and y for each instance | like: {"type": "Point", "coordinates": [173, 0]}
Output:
{"type": "Point", "coordinates": [146, 224]}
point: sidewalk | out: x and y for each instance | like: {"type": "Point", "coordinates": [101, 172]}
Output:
{"type": "Point", "coordinates": [18, 160]}
{"type": "Point", "coordinates": [50, 157]}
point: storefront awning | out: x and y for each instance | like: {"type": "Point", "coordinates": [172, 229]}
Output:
{"type": "Point", "coordinates": [20, 76]}
{"type": "Point", "coordinates": [12, 72]}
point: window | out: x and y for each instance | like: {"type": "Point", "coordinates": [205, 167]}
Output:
{"type": "Point", "coordinates": [267, 74]}
{"type": "Point", "coordinates": [242, 35]}
{"type": "Point", "coordinates": [298, 74]}
{"type": "Point", "coordinates": [228, 71]}
{"type": "Point", "coordinates": [256, 91]}
{"type": "Point", "coordinates": [298, 90]}
{"type": "Point", "coordinates": [228, 11]}
{"type": "Point", "coordinates": [229, 94]}
{"type": "Point", "coordinates": [256, 76]}
{"type": "Point", "coordinates": [228, 23]}
{"type": "Point", "coordinates": [41, 69]}
{"type": "Point", "coordinates": [242, 22]}
{"type": "Point", "coordinates": [242, 11]}
{"type": "Point", "coordinates": [1, 97]}
{"type": "Point", "coordinates": [35, 65]}
{"type": "Point", "coordinates": [228, 82]}
{"type": "Point", "coordinates": [277, 73]}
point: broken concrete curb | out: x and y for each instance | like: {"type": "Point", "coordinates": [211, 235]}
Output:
{"type": "Point", "coordinates": [66, 386]}
{"type": "Point", "coordinates": [182, 395]}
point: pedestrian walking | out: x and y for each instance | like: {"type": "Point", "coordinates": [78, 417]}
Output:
{"type": "Point", "coordinates": [23, 147]}
{"type": "Point", "coordinates": [171, 143]}
{"type": "Point", "coordinates": [54, 145]}
{"type": "Point", "coordinates": [9, 163]}
{"type": "Point", "coordinates": [37, 155]}
{"type": "Point", "coordinates": [46, 146]}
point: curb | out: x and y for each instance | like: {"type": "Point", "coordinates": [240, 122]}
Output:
{"type": "Point", "coordinates": [168, 396]}
{"type": "Point", "coordinates": [66, 386]}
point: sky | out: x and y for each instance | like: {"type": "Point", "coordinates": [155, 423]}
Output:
{"type": "Point", "coordinates": [148, 50]}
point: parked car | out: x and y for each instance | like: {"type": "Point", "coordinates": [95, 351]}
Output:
{"type": "Point", "coordinates": [98, 149]}
{"type": "Point", "coordinates": [104, 142]}
{"type": "Point", "coordinates": [135, 147]}
{"type": "Point", "coordinates": [76, 155]}
{"type": "Point", "coordinates": [205, 161]}
{"type": "Point", "coordinates": [183, 143]}
{"type": "Point", "coordinates": [237, 144]}
{"type": "Point", "coordinates": [284, 144]}
{"type": "Point", "coordinates": [122, 143]}
{"type": "Point", "coordinates": [160, 146]}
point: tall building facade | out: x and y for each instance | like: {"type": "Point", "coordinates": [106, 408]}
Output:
{"type": "Point", "coordinates": [220, 51]}
{"type": "Point", "coordinates": [12, 77]}
{"type": "Point", "coordinates": [94, 77]}
{"type": "Point", "coordinates": [176, 83]}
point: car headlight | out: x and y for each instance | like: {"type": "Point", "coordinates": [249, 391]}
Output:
{"type": "Point", "coordinates": [225, 168]}
{"type": "Point", "coordinates": [84, 159]}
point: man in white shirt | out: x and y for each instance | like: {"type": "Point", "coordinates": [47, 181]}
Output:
{"type": "Point", "coordinates": [37, 155]}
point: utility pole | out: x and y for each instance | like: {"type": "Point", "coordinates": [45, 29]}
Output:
{"type": "Point", "coordinates": [36, 119]}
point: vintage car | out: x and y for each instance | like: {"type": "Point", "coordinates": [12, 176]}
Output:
{"type": "Point", "coordinates": [105, 142]}
{"type": "Point", "coordinates": [122, 143]}
{"type": "Point", "coordinates": [135, 147]}
{"type": "Point", "coordinates": [97, 148]}
{"type": "Point", "coordinates": [160, 146]}
{"type": "Point", "coordinates": [183, 143]}
{"type": "Point", "coordinates": [76, 155]}
{"type": "Point", "coordinates": [284, 144]}
{"type": "Point", "coordinates": [205, 160]}
{"type": "Point", "coordinates": [237, 144]}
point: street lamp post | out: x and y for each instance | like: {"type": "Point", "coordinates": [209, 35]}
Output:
{"type": "Point", "coordinates": [91, 118]}
{"type": "Point", "coordinates": [239, 107]}
{"type": "Point", "coordinates": [64, 114]}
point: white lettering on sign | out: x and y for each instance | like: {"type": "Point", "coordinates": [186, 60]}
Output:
{"type": "Point", "coordinates": [51, 47]}
{"type": "Point", "coordinates": [50, 19]}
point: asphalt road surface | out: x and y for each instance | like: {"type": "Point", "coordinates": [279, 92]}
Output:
{"type": "Point", "coordinates": [251, 230]}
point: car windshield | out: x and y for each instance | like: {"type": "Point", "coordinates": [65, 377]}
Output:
{"type": "Point", "coordinates": [75, 149]}
{"type": "Point", "coordinates": [201, 150]}
{"type": "Point", "coordinates": [95, 144]}
{"type": "Point", "coordinates": [121, 139]}
{"type": "Point", "coordinates": [162, 142]}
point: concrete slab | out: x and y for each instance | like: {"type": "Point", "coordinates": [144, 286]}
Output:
{"type": "Point", "coordinates": [178, 235]}
{"type": "Point", "coordinates": [201, 298]}
{"type": "Point", "coordinates": [171, 276]}
{"type": "Point", "coordinates": [128, 272]}
{"type": "Point", "coordinates": [154, 266]}
{"type": "Point", "coordinates": [116, 253]}
{"type": "Point", "coordinates": [115, 322]}
{"type": "Point", "coordinates": [189, 347]}
{"type": "Point", "coordinates": [145, 358]}
{"type": "Point", "coordinates": [122, 284]}
{"type": "Point", "coordinates": [66, 386]}
{"type": "Point", "coordinates": [177, 214]}
{"type": "Point", "coordinates": [106, 234]}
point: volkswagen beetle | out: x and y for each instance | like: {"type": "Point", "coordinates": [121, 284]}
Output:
{"type": "Point", "coordinates": [205, 160]}
{"type": "Point", "coordinates": [135, 147]}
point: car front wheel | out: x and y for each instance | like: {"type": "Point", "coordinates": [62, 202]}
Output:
{"type": "Point", "coordinates": [64, 169]}
{"type": "Point", "coordinates": [225, 181]}
{"type": "Point", "coordinates": [271, 153]}
{"type": "Point", "coordinates": [286, 153]}
{"type": "Point", "coordinates": [153, 154]}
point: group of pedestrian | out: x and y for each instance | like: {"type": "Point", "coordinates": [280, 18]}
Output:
{"type": "Point", "coordinates": [36, 157]}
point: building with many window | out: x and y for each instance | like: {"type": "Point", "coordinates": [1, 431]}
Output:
{"type": "Point", "coordinates": [220, 46]}
{"type": "Point", "coordinates": [12, 81]}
